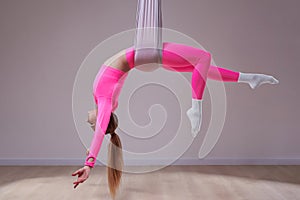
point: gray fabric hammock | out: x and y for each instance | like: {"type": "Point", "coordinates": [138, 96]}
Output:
{"type": "Point", "coordinates": [148, 35]}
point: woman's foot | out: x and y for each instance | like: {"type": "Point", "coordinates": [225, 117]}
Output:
{"type": "Point", "coordinates": [255, 80]}
{"type": "Point", "coordinates": [195, 116]}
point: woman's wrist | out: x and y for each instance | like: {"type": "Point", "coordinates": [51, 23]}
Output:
{"type": "Point", "coordinates": [87, 166]}
{"type": "Point", "coordinates": [90, 160]}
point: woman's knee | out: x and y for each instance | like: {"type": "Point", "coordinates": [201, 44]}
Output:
{"type": "Point", "coordinates": [204, 61]}
{"type": "Point", "coordinates": [206, 56]}
{"type": "Point", "coordinates": [200, 55]}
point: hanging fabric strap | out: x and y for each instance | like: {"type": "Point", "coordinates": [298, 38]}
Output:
{"type": "Point", "coordinates": [148, 35]}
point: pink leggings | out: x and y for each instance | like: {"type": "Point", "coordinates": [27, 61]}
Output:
{"type": "Point", "coordinates": [183, 58]}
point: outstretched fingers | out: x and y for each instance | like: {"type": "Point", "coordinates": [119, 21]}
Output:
{"type": "Point", "coordinates": [80, 178]}
{"type": "Point", "coordinates": [79, 171]}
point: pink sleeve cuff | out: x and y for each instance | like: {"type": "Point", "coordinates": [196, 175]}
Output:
{"type": "Point", "coordinates": [89, 163]}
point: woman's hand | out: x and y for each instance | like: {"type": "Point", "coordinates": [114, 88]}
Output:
{"type": "Point", "coordinates": [83, 174]}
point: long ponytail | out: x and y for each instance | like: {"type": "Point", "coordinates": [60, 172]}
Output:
{"type": "Point", "coordinates": [115, 157]}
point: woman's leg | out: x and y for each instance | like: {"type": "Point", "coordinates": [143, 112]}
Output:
{"type": "Point", "coordinates": [178, 56]}
{"type": "Point", "coordinates": [218, 73]}
{"type": "Point", "coordinates": [214, 73]}
{"type": "Point", "coordinates": [182, 58]}
{"type": "Point", "coordinates": [225, 75]}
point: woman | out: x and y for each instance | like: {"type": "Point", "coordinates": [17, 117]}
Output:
{"type": "Point", "coordinates": [111, 77]}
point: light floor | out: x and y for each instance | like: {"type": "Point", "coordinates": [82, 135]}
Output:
{"type": "Point", "coordinates": [217, 182]}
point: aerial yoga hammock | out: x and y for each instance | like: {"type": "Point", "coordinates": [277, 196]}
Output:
{"type": "Point", "coordinates": [148, 48]}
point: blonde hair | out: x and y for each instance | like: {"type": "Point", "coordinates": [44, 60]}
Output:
{"type": "Point", "coordinates": [115, 157]}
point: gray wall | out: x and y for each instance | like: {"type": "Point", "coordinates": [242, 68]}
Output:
{"type": "Point", "coordinates": [44, 42]}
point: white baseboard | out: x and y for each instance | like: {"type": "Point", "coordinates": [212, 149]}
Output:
{"type": "Point", "coordinates": [147, 162]}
